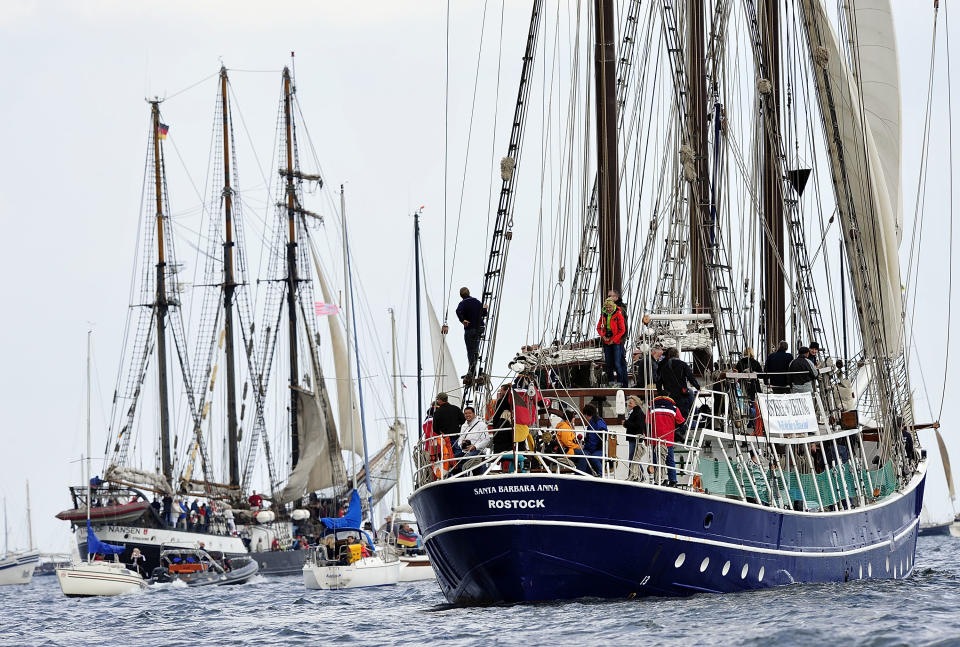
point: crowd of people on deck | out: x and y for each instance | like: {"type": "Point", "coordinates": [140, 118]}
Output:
{"type": "Point", "coordinates": [456, 438]}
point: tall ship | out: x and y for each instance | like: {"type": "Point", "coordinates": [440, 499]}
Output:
{"type": "Point", "coordinates": [751, 154]}
{"type": "Point", "coordinates": [195, 345]}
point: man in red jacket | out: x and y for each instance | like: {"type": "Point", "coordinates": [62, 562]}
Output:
{"type": "Point", "coordinates": [612, 330]}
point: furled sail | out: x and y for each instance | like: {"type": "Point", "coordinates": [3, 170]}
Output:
{"type": "Point", "coordinates": [445, 373]}
{"type": "Point", "coordinates": [318, 467]}
{"type": "Point", "coordinates": [863, 198]}
{"type": "Point", "coordinates": [879, 74]}
{"type": "Point", "coordinates": [340, 362]}
{"type": "Point", "coordinates": [945, 457]}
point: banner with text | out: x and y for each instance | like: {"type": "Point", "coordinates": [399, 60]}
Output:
{"type": "Point", "coordinates": [788, 413]}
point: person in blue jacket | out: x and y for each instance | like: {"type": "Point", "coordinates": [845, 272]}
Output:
{"type": "Point", "coordinates": [592, 441]}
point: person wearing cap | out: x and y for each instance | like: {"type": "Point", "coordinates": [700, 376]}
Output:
{"type": "Point", "coordinates": [612, 330]}
{"type": "Point", "coordinates": [803, 372]}
{"type": "Point", "coordinates": [447, 418]}
{"type": "Point", "coordinates": [815, 353]}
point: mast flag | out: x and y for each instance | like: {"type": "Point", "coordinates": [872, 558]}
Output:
{"type": "Point", "coordinates": [164, 129]}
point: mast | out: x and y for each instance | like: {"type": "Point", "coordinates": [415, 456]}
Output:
{"type": "Point", "coordinates": [396, 412]}
{"type": "Point", "coordinates": [772, 198]}
{"type": "Point", "coordinates": [229, 285]}
{"type": "Point", "coordinates": [346, 315]}
{"type": "Point", "coordinates": [608, 223]}
{"type": "Point", "coordinates": [29, 520]}
{"type": "Point", "coordinates": [6, 546]}
{"type": "Point", "coordinates": [356, 352]}
{"type": "Point", "coordinates": [291, 270]}
{"type": "Point", "coordinates": [416, 272]}
{"type": "Point", "coordinates": [89, 485]}
{"type": "Point", "coordinates": [160, 305]}
{"type": "Point", "coordinates": [699, 205]}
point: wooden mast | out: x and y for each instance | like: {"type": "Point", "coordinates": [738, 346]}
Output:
{"type": "Point", "coordinates": [697, 126]}
{"type": "Point", "coordinates": [229, 285]}
{"type": "Point", "coordinates": [774, 322]}
{"type": "Point", "coordinates": [291, 270]}
{"type": "Point", "coordinates": [608, 220]}
{"type": "Point", "coordinates": [161, 305]}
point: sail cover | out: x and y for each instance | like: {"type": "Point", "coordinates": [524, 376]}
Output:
{"type": "Point", "coordinates": [348, 418]}
{"type": "Point", "coordinates": [97, 547]}
{"type": "Point", "coordinates": [351, 518]}
{"type": "Point", "coordinates": [859, 179]}
{"type": "Point", "coordinates": [318, 467]}
{"type": "Point", "coordinates": [445, 373]}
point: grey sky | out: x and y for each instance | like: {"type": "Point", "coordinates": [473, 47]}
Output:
{"type": "Point", "coordinates": [370, 75]}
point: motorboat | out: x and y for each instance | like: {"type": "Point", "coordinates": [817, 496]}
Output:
{"type": "Point", "coordinates": [197, 567]}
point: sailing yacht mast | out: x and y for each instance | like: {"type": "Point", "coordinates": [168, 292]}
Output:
{"type": "Point", "coordinates": [89, 484]}
{"type": "Point", "coordinates": [229, 285]}
{"type": "Point", "coordinates": [291, 269]}
{"type": "Point", "coordinates": [160, 306]}
{"type": "Point", "coordinates": [396, 411]}
{"type": "Point", "coordinates": [608, 223]}
{"type": "Point", "coordinates": [346, 316]}
{"type": "Point", "coordinates": [29, 520]}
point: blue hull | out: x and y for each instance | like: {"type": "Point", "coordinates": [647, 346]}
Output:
{"type": "Point", "coordinates": [527, 537]}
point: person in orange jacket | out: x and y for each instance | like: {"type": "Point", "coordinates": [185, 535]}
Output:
{"type": "Point", "coordinates": [612, 330]}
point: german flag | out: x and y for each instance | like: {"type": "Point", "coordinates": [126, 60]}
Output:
{"type": "Point", "coordinates": [164, 129]}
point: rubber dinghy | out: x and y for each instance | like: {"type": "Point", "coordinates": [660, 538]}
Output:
{"type": "Point", "coordinates": [197, 567]}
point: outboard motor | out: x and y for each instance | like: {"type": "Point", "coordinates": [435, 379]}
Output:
{"type": "Point", "coordinates": [160, 574]}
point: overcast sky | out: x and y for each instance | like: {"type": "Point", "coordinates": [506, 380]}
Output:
{"type": "Point", "coordinates": [370, 79]}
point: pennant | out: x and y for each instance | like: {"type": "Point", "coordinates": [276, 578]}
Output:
{"type": "Point", "coordinates": [325, 309]}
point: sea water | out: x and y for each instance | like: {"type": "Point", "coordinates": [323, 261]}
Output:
{"type": "Point", "coordinates": [921, 610]}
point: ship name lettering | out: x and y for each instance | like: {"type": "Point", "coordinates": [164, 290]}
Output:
{"type": "Point", "coordinates": [516, 488]}
{"type": "Point", "coordinates": [515, 503]}
{"type": "Point", "coordinates": [484, 490]}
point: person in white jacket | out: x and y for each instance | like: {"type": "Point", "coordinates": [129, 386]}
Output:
{"type": "Point", "coordinates": [474, 436]}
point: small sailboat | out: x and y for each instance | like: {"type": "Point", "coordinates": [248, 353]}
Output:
{"type": "Point", "coordinates": [415, 564]}
{"type": "Point", "coordinates": [17, 568]}
{"type": "Point", "coordinates": [91, 577]}
{"type": "Point", "coordinates": [346, 557]}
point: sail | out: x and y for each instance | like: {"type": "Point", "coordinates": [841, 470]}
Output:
{"type": "Point", "coordinates": [446, 378]}
{"type": "Point", "coordinates": [879, 73]}
{"type": "Point", "coordinates": [318, 467]}
{"type": "Point", "coordinates": [945, 457]}
{"type": "Point", "coordinates": [863, 198]}
{"type": "Point", "coordinates": [347, 420]}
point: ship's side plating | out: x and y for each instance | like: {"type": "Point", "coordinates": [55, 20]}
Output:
{"type": "Point", "coordinates": [524, 537]}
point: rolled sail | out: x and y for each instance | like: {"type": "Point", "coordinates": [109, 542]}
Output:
{"type": "Point", "coordinates": [320, 465]}
{"type": "Point", "coordinates": [445, 373]}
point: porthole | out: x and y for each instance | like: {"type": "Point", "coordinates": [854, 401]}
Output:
{"type": "Point", "coordinates": [704, 564]}
{"type": "Point", "coordinates": [901, 568]}
{"type": "Point", "coordinates": [870, 569]}
{"type": "Point", "coordinates": [726, 568]}
{"type": "Point", "coordinates": [744, 571]}
{"type": "Point", "coordinates": [708, 520]}
{"type": "Point", "coordinates": [888, 564]}
{"type": "Point", "coordinates": [760, 575]}
{"type": "Point", "coordinates": [680, 558]}
{"type": "Point", "coordinates": [860, 576]}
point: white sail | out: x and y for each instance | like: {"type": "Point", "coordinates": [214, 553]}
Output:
{"type": "Point", "coordinates": [879, 74]}
{"type": "Point", "coordinates": [446, 378]}
{"type": "Point", "coordinates": [317, 467]}
{"type": "Point", "coordinates": [863, 199]}
{"type": "Point", "coordinates": [340, 360]}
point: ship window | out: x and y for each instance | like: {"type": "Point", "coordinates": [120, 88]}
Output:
{"type": "Point", "coordinates": [760, 575]}
{"type": "Point", "coordinates": [888, 564]}
{"type": "Point", "coordinates": [743, 571]}
{"type": "Point", "coordinates": [704, 564]}
{"type": "Point", "coordinates": [870, 569]}
{"type": "Point", "coordinates": [726, 568]}
{"type": "Point", "coordinates": [860, 577]}
{"type": "Point", "coordinates": [708, 520]}
{"type": "Point", "coordinates": [680, 558]}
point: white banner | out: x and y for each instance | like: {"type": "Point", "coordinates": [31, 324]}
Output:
{"type": "Point", "coordinates": [788, 413]}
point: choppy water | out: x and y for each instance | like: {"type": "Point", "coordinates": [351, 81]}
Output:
{"type": "Point", "coordinates": [923, 610]}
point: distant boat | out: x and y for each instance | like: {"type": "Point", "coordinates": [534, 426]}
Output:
{"type": "Point", "coordinates": [18, 567]}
